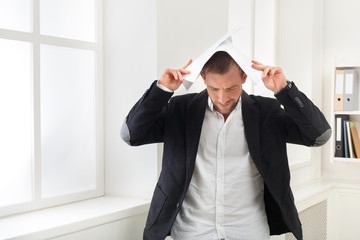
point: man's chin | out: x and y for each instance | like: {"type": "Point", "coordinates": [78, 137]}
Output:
{"type": "Point", "coordinates": [224, 111]}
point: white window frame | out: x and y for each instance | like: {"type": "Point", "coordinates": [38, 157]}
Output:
{"type": "Point", "coordinates": [36, 40]}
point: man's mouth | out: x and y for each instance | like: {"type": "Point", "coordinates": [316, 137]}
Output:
{"type": "Point", "coordinates": [224, 105]}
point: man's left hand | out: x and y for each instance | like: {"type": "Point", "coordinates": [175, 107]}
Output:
{"type": "Point", "coordinates": [273, 77]}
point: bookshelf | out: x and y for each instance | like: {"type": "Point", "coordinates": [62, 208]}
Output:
{"type": "Point", "coordinates": [354, 114]}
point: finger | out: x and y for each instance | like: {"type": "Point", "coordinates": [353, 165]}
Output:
{"type": "Point", "coordinates": [258, 66]}
{"type": "Point", "coordinates": [256, 62]}
{"type": "Point", "coordinates": [272, 72]}
{"type": "Point", "coordinates": [188, 63]}
{"type": "Point", "coordinates": [184, 71]}
{"type": "Point", "coordinates": [180, 77]}
{"type": "Point", "coordinates": [174, 74]}
{"type": "Point", "coordinates": [265, 72]}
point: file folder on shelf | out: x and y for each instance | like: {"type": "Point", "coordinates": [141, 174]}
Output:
{"type": "Point", "coordinates": [350, 90]}
{"type": "Point", "coordinates": [339, 90]}
{"type": "Point", "coordinates": [346, 147]}
{"type": "Point", "coordinates": [355, 139]}
{"type": "Point", "coordinates": [339, 135]}
{"type": "Point", "coordinates": [349, 140]}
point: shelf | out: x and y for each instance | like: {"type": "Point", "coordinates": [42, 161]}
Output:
{"type": "Point", "coordinates": [350, 160]}
{"type": "Point", "coordinates": [353, 115]}
{"type": "Point", "coordinates": [347, 112]}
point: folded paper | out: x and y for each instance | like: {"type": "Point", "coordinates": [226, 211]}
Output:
{"type": "Point", "coordinates": [223, 44]}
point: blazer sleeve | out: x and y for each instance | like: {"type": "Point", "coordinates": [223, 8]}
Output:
{"type": "Point", "coordinates": [145, 122]}
{"type": "Point", "coordinates": [304, 122]}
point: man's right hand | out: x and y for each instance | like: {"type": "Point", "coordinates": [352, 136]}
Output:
{"type": "Point", "coordinates": [172, 78]}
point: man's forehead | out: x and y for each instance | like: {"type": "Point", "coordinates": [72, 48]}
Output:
{"type": "Point", "coordinates": [229, 79]}
{"type": "Point", "coordinates": [232, 64]}
{"type": "Point", "coordinates": [234, 70]}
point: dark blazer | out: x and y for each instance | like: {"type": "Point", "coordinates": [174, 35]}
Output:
{"type": "Point", "coordinates": [177, 122]}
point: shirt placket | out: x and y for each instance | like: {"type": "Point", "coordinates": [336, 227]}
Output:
{"type": "Point", "coordinates": [220, 170]}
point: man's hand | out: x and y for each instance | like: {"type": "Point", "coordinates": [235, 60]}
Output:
{"type": "Point", "coordinates": [172, 78]}
{"type": "Point", "coordinates": [273, 77]}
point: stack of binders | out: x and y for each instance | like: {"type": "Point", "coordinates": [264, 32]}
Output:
{"type": "Point", "coordinates": [347, 144]}
{"type": "Point", "coordinates": [346, 90]}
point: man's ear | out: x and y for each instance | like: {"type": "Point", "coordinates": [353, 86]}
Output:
{"type": "Point", "coordinates": [203, 76]}
{"type": "Point", "coordinates": [244, 77]}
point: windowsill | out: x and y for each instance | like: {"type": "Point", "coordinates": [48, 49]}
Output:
{"type": "Point", "coordinates": [69, 218]}
{"type": "Point", "coordinates": [311, 194]}
{"type": "Point", "coordinates": [56, 221]}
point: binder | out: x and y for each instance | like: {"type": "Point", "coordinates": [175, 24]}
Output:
{"type": "Point", "coordinates": [355, 139]}
{"type": "Point", "coordinates": [339, 90]}
{"type": "Point", "coordinates": [349, 140]}
{"type": "Point", "coordinates": [350, 90]}
{"type": "Point", "coordinates": [346, 149]}
{"type": "Point", "coordinates": [339, 135]}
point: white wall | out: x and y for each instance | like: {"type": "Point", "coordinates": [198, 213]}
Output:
{"type": "Point", "coordinates": [265, 35]}
{"type": "Point", "coordinates": [299, 55]}
{"type": "Point", "coordinates": [130, 61]}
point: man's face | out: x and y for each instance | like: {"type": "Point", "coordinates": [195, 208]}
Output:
{"type": "Point", "coordinates": [224, 90]}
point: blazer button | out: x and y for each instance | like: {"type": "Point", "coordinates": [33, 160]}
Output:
{"type": "Point", "coordinates": [177, 205]}
{"type": "Point", "coordinates": [297, 99]}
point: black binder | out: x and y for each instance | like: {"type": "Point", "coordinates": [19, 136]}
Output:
{"type": "Point", "coordinates": [339, 135]}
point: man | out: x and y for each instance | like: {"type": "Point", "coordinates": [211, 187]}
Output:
{"type": "Point", "coordinates": [225, 172]}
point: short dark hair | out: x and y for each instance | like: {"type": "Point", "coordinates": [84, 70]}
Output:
{"type": "Point", "coordinates": [220, 63]}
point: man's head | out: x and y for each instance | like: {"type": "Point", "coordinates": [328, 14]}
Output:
{"type": "Point", "coordinates": [223, 79]}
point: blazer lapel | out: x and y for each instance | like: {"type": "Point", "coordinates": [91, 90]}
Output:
{"type": "Point", "coordinates": [194, 121]}
{"type": "Point", "coordinates": [251, 119]}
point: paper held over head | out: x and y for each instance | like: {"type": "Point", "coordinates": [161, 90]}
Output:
{"type": "Point", "coordinates": [223, 44]}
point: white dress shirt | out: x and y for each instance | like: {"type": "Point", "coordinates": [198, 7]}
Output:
{"type": "Point", "coordinates": [225, 196]}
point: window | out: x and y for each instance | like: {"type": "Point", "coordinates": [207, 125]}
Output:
{"type": "Point", "coordinates": [51, 103]}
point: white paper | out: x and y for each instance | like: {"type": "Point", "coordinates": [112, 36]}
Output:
{"type": "Point", "coordinates": [349, 83]}
{"type": "Point", "coordinates": [339, 83]}
{"type": "Point", "coordinates": [223, 44]}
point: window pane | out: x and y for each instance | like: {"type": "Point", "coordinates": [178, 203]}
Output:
{"type": "Point", "coordinates": [15, 122]}
{"type": "Point", "coordinates": [73, 19]}
{"type": "Point", "coordinates": [68, 153]}
{"type": "Point", "coordinates": [15, 15]}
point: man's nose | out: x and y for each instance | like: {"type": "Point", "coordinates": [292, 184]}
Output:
{"type": "Point", "coordinates": [223, 97]}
